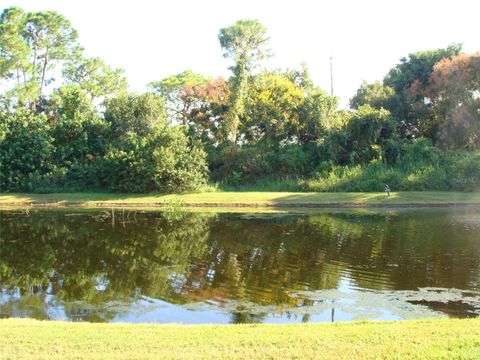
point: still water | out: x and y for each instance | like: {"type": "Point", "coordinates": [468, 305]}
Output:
{"type": "Point", "coordinates": [331, 265]}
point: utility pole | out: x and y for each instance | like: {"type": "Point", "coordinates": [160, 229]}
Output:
{"type": "Point", "coordinates": [331, 75]}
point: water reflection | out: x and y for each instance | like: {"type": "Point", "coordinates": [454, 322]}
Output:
{"type": "Point", "coordinates": [192, 267]}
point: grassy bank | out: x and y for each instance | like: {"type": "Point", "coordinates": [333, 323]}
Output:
{"type": "Point", "coordinates": [423, 169]}
{"type": "Point", "coordinates": [244, 199]}
{"type": "Point", "coordinates": [22, 339]}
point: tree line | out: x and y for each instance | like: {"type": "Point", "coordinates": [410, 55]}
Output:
{"type": "Point", "coordinates": [69, 123]}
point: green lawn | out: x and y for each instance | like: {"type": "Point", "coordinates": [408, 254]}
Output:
{"type": "Point", "coordinates": [410, 339]}
{"type": "Point", "coordinates": [246, 199]}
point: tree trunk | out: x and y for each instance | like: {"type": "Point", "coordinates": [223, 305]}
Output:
{"type": "Point", "coordinates": [45, 63]}
{"type": "Point", "coordinates": [33, 104]}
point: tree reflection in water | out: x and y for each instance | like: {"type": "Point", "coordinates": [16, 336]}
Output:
{"type": "Point", "coordinates": [84, 266]}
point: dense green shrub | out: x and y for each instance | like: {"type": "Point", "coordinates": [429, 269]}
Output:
{"type": "Point", "coordinates": [74, 148]}
{"type": "Point", "coordinates": [465, 171]}
{"type": "Point", "coordinates": [162, 161]}
{"type": "Point", "coordinates": [26, 150]}
{"type": "Point", "coordinates": [247, 164]}
{"type": "Point", "coordinates": [250, 164]}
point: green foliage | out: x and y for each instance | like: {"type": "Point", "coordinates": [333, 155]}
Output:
{"type": "Point", "coordinates": [272, 110]}
{"type": "Point", "coordinates": [84, 131]}
{"type": "Point", "coordinates": [13, 49]}
{"type": "Point", "coordinates": [250, 164]}
{"type": "Point", "coordinates": [417, 66]}
{"type": "Point", "coordinates": [466, 171]}
{"type": "Point", "coordinates": [427, 170]}
{"type": "Point", "coordinates": [420, 153]}
{"type": "Point", "coordinates": [139, 114]}
{"type": "Point", "coordinates": [364, 130]}
{"type": "Point", "coordinates": [317, 116]}
{"type": "Point", "coordinates": [177, 91]}
{"type": "Point", "coordinates": [244, 42]}
{"type": "Point", "coordinates": [33, 44]}
{"type": "Point", "coordinates": [407, 78]}
{"type": "Point", "coordinates": [94, 76]}
{"type": "Point", "coordinates": [454, 91]}
{"type": "Point", "coordinates": [421, 169]}
{"type": "Point", "coordinates": [376, 95]}
{"type": "Point", "coordinates": [79, 138]}
{"type": "Point", "coordinates": [163, 161]}
{"type": "Point", "coordinates": [368, 134]}
{"type": "Point", "coordinates": [73, 153]}
{"type": "Point", "coordinates": [26, 148]}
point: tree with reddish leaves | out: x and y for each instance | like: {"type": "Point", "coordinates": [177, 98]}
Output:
{"type": "Point", "coordinates": [195, 101]}
{"type": "Point", "coordinates": [207, 118]}
{"type": "Point", "coordinates": [408, 79]}
{"type": "Point", "coordinates": [454, 91]}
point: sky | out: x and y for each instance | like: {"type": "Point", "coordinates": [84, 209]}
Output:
{"type": "Point", "coordinates": [154, 39]}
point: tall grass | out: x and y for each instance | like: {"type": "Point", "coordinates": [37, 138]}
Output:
{"type": "Point", "coordinates": [455, 171]}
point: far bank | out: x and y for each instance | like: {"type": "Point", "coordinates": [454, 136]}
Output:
{"type": "Point", "coordinates": [245, 199]}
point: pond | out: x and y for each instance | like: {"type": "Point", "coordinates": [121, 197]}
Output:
{"type": "Point", "coordinates": [191, 267]}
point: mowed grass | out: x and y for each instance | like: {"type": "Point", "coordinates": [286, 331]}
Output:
{"type": "Point", "coordinates": [245, 199]}
{"type": "Point", "coordinates": [411, 339]}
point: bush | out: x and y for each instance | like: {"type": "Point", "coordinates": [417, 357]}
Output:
{"type": "Point", "coordinates": [251, 164]}
{"type": "Point", "coordinates": [26, 150]}
{"type": "Point", "coordinates": [162, 161]}
{"type": "Point", "coordinates": [465, 173]}
{"type": "Point", "coordinates": [79, 153]}
{"type": "Point", "coordinates": [420, 153]}
{"type": "Point", "coordinates": [245, 165]}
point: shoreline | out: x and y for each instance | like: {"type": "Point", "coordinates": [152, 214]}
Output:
{"type": "Point", "coordinates": [250, 200]}
{"type": "Point", "coordinates": [232, 205]}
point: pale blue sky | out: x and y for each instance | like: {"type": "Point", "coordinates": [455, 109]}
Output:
{"type": "Point", "coordinates": [153, 39]}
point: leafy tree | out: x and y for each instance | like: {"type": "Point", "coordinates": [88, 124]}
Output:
{"type": "Point", "coordinates": [367, 135]}
{"type": "Point", "coordinates": [376, 95]}
{"type": "Point", "coordinates": [14, 50]}
{"type": "Point", "coordinates": [94, 76]}
{"type": "Point", "coordinates": [139, 114]}
{"type": "Point", "coordinates": [245, 43]}
{"type": "Point", "coordinates": [52, 39]}
{"type": "Point", "coordinates": [34, 44]}
{"type": "Point", "coordinates": [207, 118]}
{"type": "Point", "coordinates": [196, 101]}
{"type": "Point", "coordinates": [272, 110]}
{"type": "Point", "coordinates": [280, 111]}
{"type": "Point", "coordinates": [82, 130]}
{"type": "Point", "coordinates": [406, 78]}
{"type": "Point", "coordinates": [14, 54]}
{"type": "Point", "coordinates": [68, 102]}
{"type": "Point", "coordinates": [80, 135]}
{"type": "Point", "coordinates": [301, 78]}
{"type": "Point", "coordinates": [454, 92]}
{"type": "Point", "coordinates": [317, 115]}
{"type": "Point", "coordinates": [178, 92]}
{"type": "Point", "coordinates": [336, 149]}
{"type": "Point", "coordinates": [366, 130]}
{"type": "Point", "coordinates": [417, 67]}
